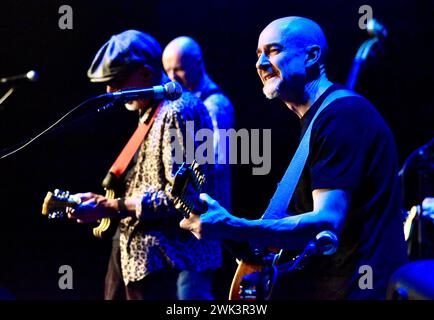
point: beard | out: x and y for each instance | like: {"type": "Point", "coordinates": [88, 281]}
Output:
{"type": "Point", "coordinates": [272, 88]}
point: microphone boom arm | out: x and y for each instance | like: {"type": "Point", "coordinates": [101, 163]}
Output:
{"type": "Point", "coordinates": [5, 96]}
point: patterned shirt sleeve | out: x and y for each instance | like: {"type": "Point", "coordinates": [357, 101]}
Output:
{"type": "Point", "coordinates": [159, 204]}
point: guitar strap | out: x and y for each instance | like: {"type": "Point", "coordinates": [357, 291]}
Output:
{"type": "Point", "coordinates": [120, 165]}
{"type": "Point", "coordinates": [127, 153]}
{"type": "Point", "coordinates": [279, 203]}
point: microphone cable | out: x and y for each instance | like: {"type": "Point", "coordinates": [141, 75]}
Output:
{"type": "Point", "coordinates": [171, 90]}
{"type": "Point", "coordinates": [4, 154]}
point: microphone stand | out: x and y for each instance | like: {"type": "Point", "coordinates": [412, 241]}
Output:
{"type": "Point", "coordinates": [359, 59]}
{"type": "Point", "coordinates": [29, 76]}
{"type": "Point", "coordinates": [259, 285]}
{"type": "Point", "coordinates": [379, 34]}
{"type": "Point", "coordinates": [5, 96]}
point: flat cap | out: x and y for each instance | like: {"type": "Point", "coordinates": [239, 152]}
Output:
{"type": "Point", "coordinates": [124, 52]}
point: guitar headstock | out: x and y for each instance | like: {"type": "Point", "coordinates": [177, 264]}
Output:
{"type": "Point", "coordinates": [188, 185]}
{"type": "Point", "coordinates": [55, 204]}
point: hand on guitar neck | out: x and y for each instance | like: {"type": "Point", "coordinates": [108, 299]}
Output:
{"type": "Point", "coordinates": [199, 211]}
{"type": "Point", "coordinates": [256, 274]}
{"type": "Point", "coordinates": [94, 207]}
{"type": "Point", "coordinates": [87, 208]}
{"type": "Point", "coordinates": [189, 200]}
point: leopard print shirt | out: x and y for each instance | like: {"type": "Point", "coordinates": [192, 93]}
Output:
{"type": "Point", "coordinates": [159, 242]}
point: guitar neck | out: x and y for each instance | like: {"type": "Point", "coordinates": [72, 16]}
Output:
{"type": "Point", "coordinates": [55, 204]}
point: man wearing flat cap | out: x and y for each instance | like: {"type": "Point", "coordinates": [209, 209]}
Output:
{"type": "Point", "coordinates": [152, 258]}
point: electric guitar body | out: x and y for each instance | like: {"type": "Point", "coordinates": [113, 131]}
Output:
{"type": "Point", "coordinates": [244, 268]}
{"type": "Point", "coordinates": [255, 276]}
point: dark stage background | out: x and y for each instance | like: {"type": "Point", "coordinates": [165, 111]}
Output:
{"type": "Point", "coordinates": [399, 83]}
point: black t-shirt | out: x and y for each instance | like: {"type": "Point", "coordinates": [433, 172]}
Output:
{"type": "Point", "coordinates": [352, 148]}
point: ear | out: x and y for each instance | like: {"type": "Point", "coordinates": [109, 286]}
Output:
{"type": "Point", "coordinates": [313, 55]}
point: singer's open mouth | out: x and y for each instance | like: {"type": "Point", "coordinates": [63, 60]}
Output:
{"type": "Point", "coordinates": [268, 76]}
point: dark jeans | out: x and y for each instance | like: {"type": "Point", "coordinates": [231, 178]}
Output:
{"type": "Point", "coordinates": [167, 284]}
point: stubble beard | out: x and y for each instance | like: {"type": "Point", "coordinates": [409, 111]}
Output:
{"type": "Point", "coordinates": [272, 89]}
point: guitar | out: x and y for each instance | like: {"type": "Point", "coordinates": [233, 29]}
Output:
{"type": "Point", "coordinates": [257, 273]}
{"type": "Point", "coordinates": [251, 278]}
{"type": "Point", "coordinates": [187, 186]}
{"type": "Point", "coordinates": [55, 207]}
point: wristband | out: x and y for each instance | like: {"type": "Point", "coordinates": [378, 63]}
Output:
{"type": "Point", "coordinates": [122, 208]}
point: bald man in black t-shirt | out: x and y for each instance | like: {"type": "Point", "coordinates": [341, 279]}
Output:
{"type": "Point", "coordinates": [349, 184]}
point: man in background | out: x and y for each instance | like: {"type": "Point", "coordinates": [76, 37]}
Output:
{"type": "Point", "coordinates": [183, 62]}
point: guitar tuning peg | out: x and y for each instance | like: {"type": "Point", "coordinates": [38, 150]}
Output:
{"type": "Point", "coordinates": [195, 165]}
{"type": "Point", "coordinates": [197, 172]}
{"type": "Point", "coordinates": [177, 205]}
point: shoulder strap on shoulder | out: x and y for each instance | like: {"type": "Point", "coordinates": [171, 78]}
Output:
{"type": "Point", "coordinates": [279, 203]}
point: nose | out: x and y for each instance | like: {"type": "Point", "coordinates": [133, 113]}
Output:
{"type": "Point", "coordinates": [110, 89]}
{"type": "Point", "coordinates": [171, 74]}
{"type": "Point", "coordinates": [262, 62]}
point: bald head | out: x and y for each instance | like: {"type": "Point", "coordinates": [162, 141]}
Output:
{"type": "Point", "coordinates": [183, 46]}
{"type": "Point", "coordinates": [291, 55]}
{"type": "Point", "coordinates": [182, 60]}
{"type": "Point", "coordinates": [297, 33]}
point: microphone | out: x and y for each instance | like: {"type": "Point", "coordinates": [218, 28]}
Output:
{"type": "Point", "coordinates": [170, 91]}
{"type": "Point", "coordinates": [31, 76]}
{"type": "Point", "coordinates": [376, 29]}
{"type": "Point", "coordinates": [325, 243]}
{"type": "Point", "coordinates": [260, 284]}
